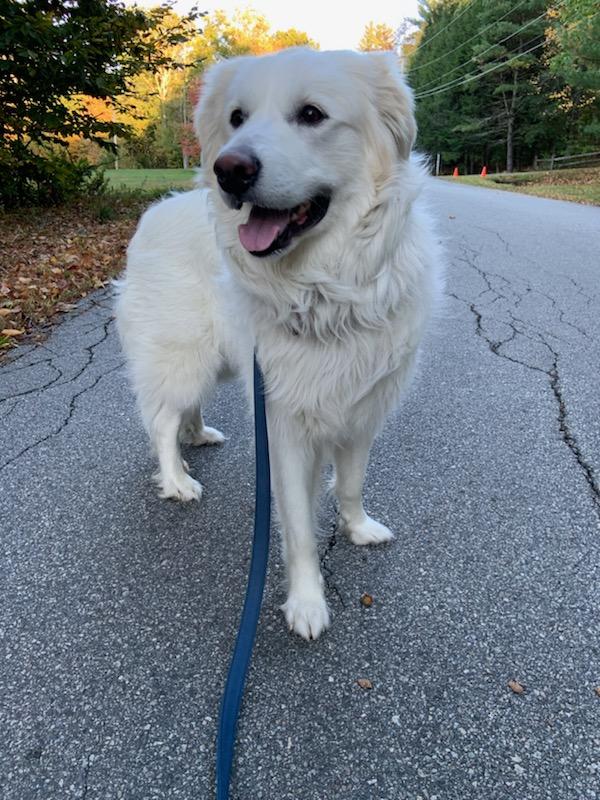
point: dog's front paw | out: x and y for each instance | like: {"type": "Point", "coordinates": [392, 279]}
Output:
{"type": "Point", "coordinates": [306, 615]}
{"type": "Point", "coordinates": [202, 436]}
{"type": "Point", "coordinates": [183, 488]}
{"type": "Point", "coordinates": [367, 532]}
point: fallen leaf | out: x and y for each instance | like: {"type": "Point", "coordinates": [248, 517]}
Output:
{"type": "Point", "coordinates": [12, 332]}
{"type": "Point", "coordinates": [65, 307]}
{"type": "Point", "coordinates": [516, 687]}
{"type": "Point", "coordinates": [597, 691]}
{"type": "Point", "coordinates": [366, 600]}
{"type": "Point", "coordinates": [58, 255]}
{"type": "Point", "coordinates": [364, 683]}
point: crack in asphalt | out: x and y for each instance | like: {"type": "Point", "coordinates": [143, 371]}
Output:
{"type": "Point", "coordinates": [66, 420]}
{"type": "Point", "coordinates": [57, 376]}
{"type": "Point", "coordinates": [7, 371]}
{"type": "Point", "coordinates": [10, 410]}
{"type": "Point", "coordinates": [85, 776]}
{"type": "Point", "coordinates": [589, 298]}
{"type": "Point", "coordinates": [89, 349]}
{"type": "Point", "coordinates": [552, 373]}
{"type": "Point", "coordinates": [568, 436]}
{"type": "Point", "coordinates": [527, 287]}
{"type": "Point", "coordinates": [326, 570]}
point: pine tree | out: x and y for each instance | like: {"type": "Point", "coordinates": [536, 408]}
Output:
{"type": "Point", "coordinates": [508, 56]}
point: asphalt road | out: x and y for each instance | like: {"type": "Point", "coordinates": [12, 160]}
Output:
{"type": "Point", "coordinates": [118, 610]}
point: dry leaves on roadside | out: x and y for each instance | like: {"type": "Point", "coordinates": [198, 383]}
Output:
{"type": "Point", "coordinates": [50, 258]}
{"type": "Point", "coordinates": [364, 683]}
{"type": "Point", "coordinates": [516, 687]}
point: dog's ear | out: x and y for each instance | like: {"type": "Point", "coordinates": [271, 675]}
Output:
{"type": "Point", "coordinates": [208, 117]}
{"type": "Point", "coordinates": [394, 101]}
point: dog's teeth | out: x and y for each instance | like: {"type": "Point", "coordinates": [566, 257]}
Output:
{"type": "Point", "coordinates": [300, 212]}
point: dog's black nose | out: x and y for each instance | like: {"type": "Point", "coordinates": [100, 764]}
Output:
{"type": "Point", "coordinates": [237, 171]}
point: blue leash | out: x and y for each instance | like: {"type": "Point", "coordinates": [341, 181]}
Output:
{"type": "Point", "coordinates": [236, 678]}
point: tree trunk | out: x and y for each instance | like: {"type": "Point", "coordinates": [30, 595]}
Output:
{"type": "Point", "coordinates": [511, 125]}
{"type": "Point", "coordinates": [186, 161]}
{"type": "Point", "coordinates": [509, 143]}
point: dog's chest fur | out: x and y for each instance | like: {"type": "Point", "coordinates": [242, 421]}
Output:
{"type": "Point", "coordinates": [325, 360]}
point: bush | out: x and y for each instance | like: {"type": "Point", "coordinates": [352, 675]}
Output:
{"type": "Point", "coordinates": [58, 58]}
{"type": "Point", "coordinates": [154, 148]}
{"type": "Point", "coordinates": [86, 150]}
{"type": "Point", "coordinates": [44, 180]}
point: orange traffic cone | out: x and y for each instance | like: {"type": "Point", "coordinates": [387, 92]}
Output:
{"type": "Point", "coordinates": [455, 173]}
{"type": "Point", "coordinates": [484, 172]}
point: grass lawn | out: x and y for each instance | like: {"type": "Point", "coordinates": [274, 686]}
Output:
{"type": "Point", "coordinates": [150, 179]}
{"type": "Point", "coordinates": [579, 185]}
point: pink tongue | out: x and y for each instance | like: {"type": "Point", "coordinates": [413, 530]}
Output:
{"type": "Point", "coordinates": [262, 228]}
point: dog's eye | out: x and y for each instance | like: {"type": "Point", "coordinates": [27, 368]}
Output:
{"type": "Point", "coordinates": [237, 118]}
{"type": "Point", "coordinates": [311, 115]}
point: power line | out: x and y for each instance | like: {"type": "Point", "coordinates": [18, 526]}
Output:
{"type": "Point", "coordinates": [457, 82]}
{"type": "Point", "coordinates": [462, 44]}
{"type": "Point", "coordinates": [452, 21]}
{"type": "Point", "coordinates": [460, 82]}
{"type": "Point", "coordinates": [487, 49]}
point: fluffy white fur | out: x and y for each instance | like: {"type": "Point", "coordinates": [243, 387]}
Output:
{"type": "Point", "coordinates": [336, 318]}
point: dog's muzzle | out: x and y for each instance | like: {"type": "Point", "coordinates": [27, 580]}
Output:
{"type": "Point", "coordinates": [237, 171]}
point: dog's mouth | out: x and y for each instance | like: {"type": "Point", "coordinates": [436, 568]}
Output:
{"type": "Point", "coordinates": [269, 229]}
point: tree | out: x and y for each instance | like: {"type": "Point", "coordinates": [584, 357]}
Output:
{"type": "Point", "coordinates": [53, 55]}
{"type": "Point", "coordinates": [508, 54]}
{"type": "Point", "coordinates": [377, 36]}
{"type": "Point", "coordinates": [162, 102]}
{"type": "Point", "coordinates": [408, 36]}
{"type": "Point", "coordinates": [577, 33]}
{"type": "Point", "coordinates": [574, 52]}
{"type": "Point", "coordinates": [449, 120]}
{"type": "Point", "coordinates": [484, 92]}
{"type": "Point", "coordinates": [246, 33]}
{"type": "Point", "coordinates": [157, 102]}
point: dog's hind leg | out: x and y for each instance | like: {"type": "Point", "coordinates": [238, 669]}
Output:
{"type": "Point", "coordinates": [172, 476]}
{"type": "Point", "coordinates": [195, 432]}
{"type": "Point", "coordinates": [350, 466]}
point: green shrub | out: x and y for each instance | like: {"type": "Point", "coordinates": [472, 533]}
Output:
{"type": "Point", "coordinates": [43, 180]}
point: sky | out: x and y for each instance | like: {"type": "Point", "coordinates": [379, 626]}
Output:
{"type": "Point", "coordinates": [334, 26]}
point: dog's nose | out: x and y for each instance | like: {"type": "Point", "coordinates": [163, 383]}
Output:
{"type": "Point", "coordinates": [237, 171]}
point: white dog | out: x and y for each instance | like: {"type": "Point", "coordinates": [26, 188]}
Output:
{"type": "Point", "coordinates": [308, 243]}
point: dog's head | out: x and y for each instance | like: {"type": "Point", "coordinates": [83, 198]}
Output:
{"type": "Point", "coordinates": [291, 140]}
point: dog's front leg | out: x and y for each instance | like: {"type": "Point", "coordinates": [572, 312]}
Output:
{"type": "Point", "coordinates": [295, 471]}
